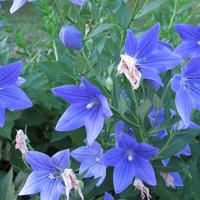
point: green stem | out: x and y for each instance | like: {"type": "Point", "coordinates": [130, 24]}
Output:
{"type": "Point", "coordinates": [173, 15]}
{"type": "Point", "coordinates": [55, 50]}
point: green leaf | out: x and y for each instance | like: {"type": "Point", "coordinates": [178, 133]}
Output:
{"type": "Point", "coordinates": [178, 142]}
{"type": "Point", "coordinates": [7, 191]}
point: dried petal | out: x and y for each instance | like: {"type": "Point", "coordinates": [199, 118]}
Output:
{"type": "Point", "coordinates": [21, 141]}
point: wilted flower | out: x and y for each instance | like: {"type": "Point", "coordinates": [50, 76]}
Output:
{"type": "Point", "coordinates": [88, 108]}
{"type": "Point", "coordinates": [190, 46]}
{"type": "Point", "coordinates": [145, 57]}
{"type": "Point", "coordinates": [144, 190]}
{"type": "Point", "coordinates": [78, 2]}
{"type": "Point", "coordinates": [91, 161]}
{"type": "Point", "coordinates": [11, 96]}
{"type": "Point", "coordinates": [108, 196]}
{"type": "Point", "coordinates": [130, 159]}
{"type": "Point", "coordinates": [172, 179]}
{"type": "Point", "coordinates": [46, 176]}
{"type": "Point", "coordinates": [71, 37]}
{"type": "Point", "coordinates": [21, 140]}
{"type": "Point", "coordinates": [187, 86]}
{"type": "Point", "coordinates": [71, 182]}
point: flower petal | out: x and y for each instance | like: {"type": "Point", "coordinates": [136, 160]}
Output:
{"type": "Point", "coordinates": [104, 106]}
{"type": "Point", "coordinates": [78, 2]}
{"type": "Point", "coordinates": [123, 175]}
{"type": "Point", "coordinates": [17, 4]}
{"type": "Point", "coordinates": [38, 161]}
{"type": "Point", "coordinates": [61, 159]}
{"type": "Point", "coordinates": [175, 84]}
{"type": "Point", "coordinates": [72, 118]}
{"type": "Point", "coordinates": [35, 182]}
{"type": "Point", "coordinates": [192, 68]}
{"type": "Point", "coordinates": [131, 44]}
{"type": "Point", "coordinates": [148, 41]}
{"type": "Point", "coordinates": [146, 151]}
{"type": "Point", "coordinates": [72, 94]}
{"type": "Point", "coordinates": [177, 179]}
{"type": "Point", "coordinates": [9, 74]}
{"type": "Point", "coordinates": [113, 156]}
{"type": "Point", "coordinates": [185, 151]}
{"type": "Point", "coordinates": [184, 106]}
{"type": "Point", "coordinates": [126, 142]}
{"type": "Point", "coordinates": [151, 74]}
{"type": "Point", "coordinates": [144, 170]}
{"type": "Point", "coordinates": [94, 124]}
{"type": "Point", "coordinates": [14, 98]}
{"type": "Point", "coordinates": [108, 196]}
{"type": "Point", "coordinates": [50, 191]}
{"type": "Point", "coordinates": [187, 32]}
{"type": "Point", "coordinates": [188, 49]}
{"type": "Point", "coordinates": [2, 115]}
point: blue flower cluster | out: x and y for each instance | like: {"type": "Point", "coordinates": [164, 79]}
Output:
{"type": "Point", "coordinates": [144, 58]}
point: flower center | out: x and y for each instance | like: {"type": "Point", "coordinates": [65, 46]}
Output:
{"type": "Point", "coordinates": [92, 104]}
{"type": "Point", "coordinates": [98, 158]}
{"type": "Point", "coordinates": [130, 155]}
{"type": "Point", "coordinates": [54, 175]}
{"type": "Point", "coordinates": [198, 42]}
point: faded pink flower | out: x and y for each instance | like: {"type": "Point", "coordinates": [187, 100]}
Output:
{"type": "Point", "coordinates": [21, 141]}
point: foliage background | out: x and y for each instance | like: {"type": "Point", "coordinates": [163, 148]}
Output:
{"type": "Point", "coordinates": [31, 35]}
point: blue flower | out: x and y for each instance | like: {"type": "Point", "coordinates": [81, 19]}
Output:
{"type": "Point", "coordinates": [130, 159]}
{"type": "Point", "coordinates": [108, 196]}
{"type": "Point", "coordinates": [91, 161]}
{"type": "Point", "coordinates": [71, 37]}
{"type": "Point", "coordinates": [78, 2]}
{"type": "Point", "coordinates": [148, 55]}
{"type": "Point", "coordinates": [172, 179]}
{"type": "Point", "coordinates": [190, 46]}
{"type": "Point", "coordinates": [46, 176]}
{"type": "Point", "coordinates": [88, 108]}
{"type": "Point", "coordinates": [187, 88]}
{"type": "Point", "coordinates": [17, 4]}
{"type": "Point", "coordinates": [11, 96]}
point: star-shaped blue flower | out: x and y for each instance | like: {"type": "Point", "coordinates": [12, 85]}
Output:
{"type": "Point", "coordinates": [91, 161]}
{"type": "Point", "coordinates": [88, 108]}
{"type": "Point", "coordinates": [46, 176]}
{"type": "Point", "coordinates": [190, 46]}
{"type": "Point", "coordinates": [11, 96]}
{"type": "Point", "coordinates": [150, 55]}
{"type": "Point", "coordinates": [130, 159]}
{"type": "Point", "coordinates": [187, 86]}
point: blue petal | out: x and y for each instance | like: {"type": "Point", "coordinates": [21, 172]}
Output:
{"type": "Point", "coordinates": [51, 191]}
{"type": "Point", "coordinates": [17, 4]}
{"type": "Point", "coordinates": [151, 74]}
{"type": "Point", "coordinates": [185, 151]}
{"type": "Point", "coordinates": [161, 60]}
{"type": "Point", "coordinates": [14, 98]}
{"type": "Point", "coordinates": [61, 159]}
{"type": "Point", "coordinates": [108, 196]}
{"type": "Point", "coordinates": [177, 179]}
{"type": "Point", "coordinates": [72, 94]}
{"type": "Point", "coordinates": [35, 182]}
{"type": "Point", "coordinates": [175, 84]}
{"type": "Point", "coordinates": [85, 165]}
{"type": "Point", "coordinates": [78, 2]}
{"type": "Point", "coordinates": [126, 142]}
{"type": "Point", "coordinates": [104, 106]}
{"type": "Point", "coordinates": [123, 175]}
{"type": "Point", "coordinates": [71, 37]}
{"type": "Point", "coordinates": [2, 115]}
{"type": "Point", "coordinates": [131, 44]}
{"type": "Point", "coordinates": [9, 74]}
{"type": "Point", "coordinates": [188, 49]}
{"type": "Point", "coordinates": [148, 41]}
{"type": "Point", "coordinates": [187, 32]}
{"type": "Point", "coordinates": [94, 124]}
{"type": "Point", "coordinates": [72, 118]}
{"type": "Point", "coordinates": [144, 170]}
{"type": "Point", "coordinates": [113, 156]}
{"type": "Point", "coordinates": [146, 151]}
{"type": "Point", "coordinates": [192, 68]}
{"type": "Point", "coordinates": [166, 162]}
{"type": "Point", "coordinates": [38, 161]}
{"type": "Point", "coordinates": [184, 106]}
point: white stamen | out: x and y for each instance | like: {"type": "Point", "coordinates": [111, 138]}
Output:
{"type": "Point", "coordinates": [168, 179]}
{"type": "Point", "coordinates": [144, 190]}
{"type": "Point", "coordinates": [91, 105]}
{"type": "Point", "coordinates": [71, 182]}
{"type": "Point", "coordinates": [21, 140]}
{"type": "Point", "coordinates": [127, 66]}
{"type": "Point", "coordinates": [97, 159]}
{"type": "Point", "coordinates": [198, 42]}
{"type": "Point", "coordinates": [130, 158]}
